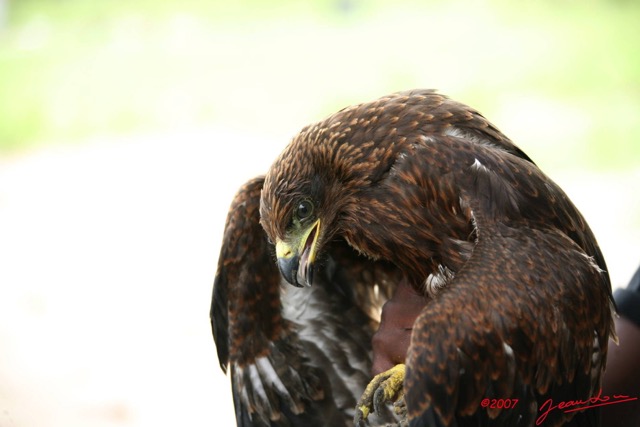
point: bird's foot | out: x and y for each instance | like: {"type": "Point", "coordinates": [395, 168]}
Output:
{"type": "Point", "coordinates": [386, 387]}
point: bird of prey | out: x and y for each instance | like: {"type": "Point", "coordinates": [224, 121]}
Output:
{"type": "Point", "coordinates": [417, 193]}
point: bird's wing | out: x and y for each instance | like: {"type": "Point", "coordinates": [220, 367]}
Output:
{"type": "Point", "coordinates": [523, 307]}
{"type": "Point", "coordinates": [527, 316]}
{"type": "Point", "coordinates": [452, 118]}
{"type": "Point", "coordinates": [297, 357]}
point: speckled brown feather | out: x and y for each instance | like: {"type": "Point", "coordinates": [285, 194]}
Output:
{"type": "Point", "coordinates": [425, 183]}
{"type": "Point", "coordinates": [357, 148]}
{"type": "Point", "coordinates": [260, 303]}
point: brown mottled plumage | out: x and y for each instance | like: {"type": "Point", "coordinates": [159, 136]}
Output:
{"type": "Point", "coordinates": [411, 187]}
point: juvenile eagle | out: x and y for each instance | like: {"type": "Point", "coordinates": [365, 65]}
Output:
{"type": "Point", "coordinates": [411, 191]}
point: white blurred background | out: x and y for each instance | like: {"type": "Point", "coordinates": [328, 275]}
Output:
{"type": "Point", "coordinates": [126, 128]}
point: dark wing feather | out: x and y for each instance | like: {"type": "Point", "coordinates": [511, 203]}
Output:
{"type": "Point", "coordinates": [527, 316]}
{"type": "Point", "coordinates": [508, 343]}
{"type": "Point", "coordinates": [219, 316]}
{"type": "Point", "coordinates": [298, 357]}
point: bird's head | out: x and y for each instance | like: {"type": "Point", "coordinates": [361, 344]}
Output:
{"type": "Point", "coordinates": [297, 250]}
{"type": "Point", "coordinates": [326, 183]}
{"type": "Point", "coordinates": [300, 208]}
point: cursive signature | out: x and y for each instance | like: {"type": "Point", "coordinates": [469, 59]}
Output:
{"type": "Point", "coordinates": [579, 405]}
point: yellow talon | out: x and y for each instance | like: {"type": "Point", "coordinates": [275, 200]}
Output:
{"type": "Point", "coordinates": [364, 410]}
{"type": "Point", "coordinates": [384, 388]}
{"type": "Point", "coordinates": [393, 384]}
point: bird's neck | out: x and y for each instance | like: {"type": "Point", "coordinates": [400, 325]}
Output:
{"type": "Point", "coordinates": [424, 256]}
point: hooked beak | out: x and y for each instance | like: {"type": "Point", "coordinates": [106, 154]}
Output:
{"type": "Point", "coordinates": [296, 261]}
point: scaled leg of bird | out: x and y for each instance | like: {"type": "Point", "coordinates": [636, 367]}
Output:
{"type": "Point", "coordinates": [384, 388]}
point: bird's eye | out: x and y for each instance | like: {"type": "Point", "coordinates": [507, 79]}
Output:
{"type": "Point", "coordinates": [304, 209]}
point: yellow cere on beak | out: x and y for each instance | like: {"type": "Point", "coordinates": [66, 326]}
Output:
{"type": "Point", "coordinates": [296, 258]}
{"type": "Point", "coordinates": [283, 250]}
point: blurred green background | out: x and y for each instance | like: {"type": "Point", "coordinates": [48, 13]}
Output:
{"type": "Point", "coordinates": [561, 78]}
